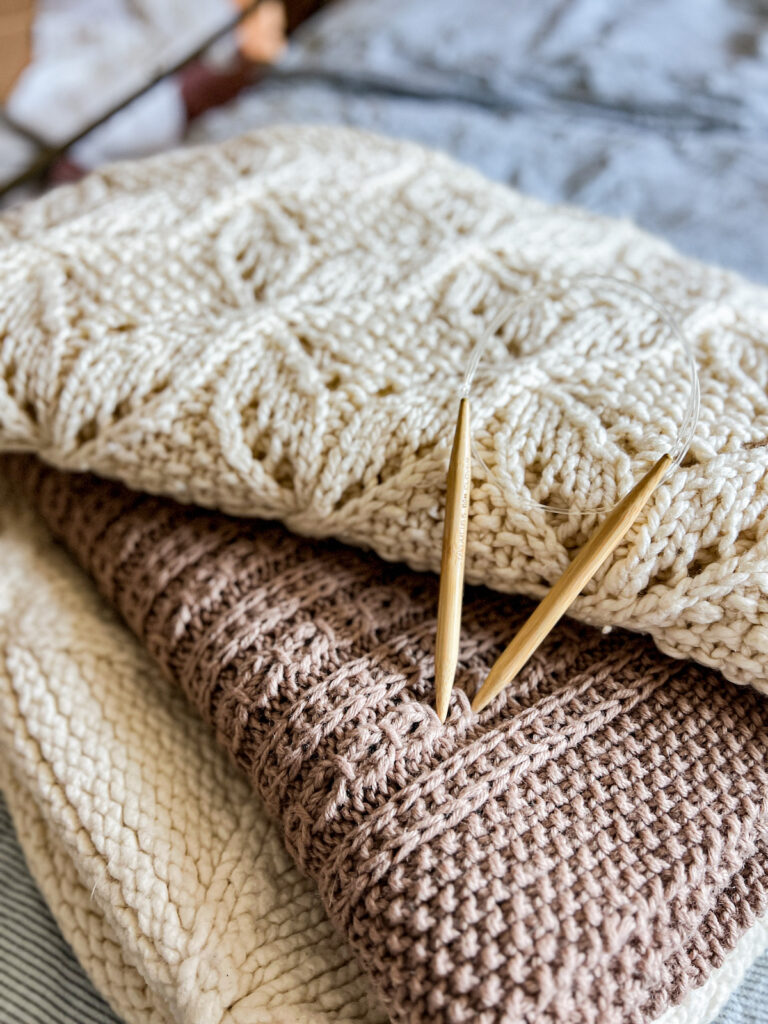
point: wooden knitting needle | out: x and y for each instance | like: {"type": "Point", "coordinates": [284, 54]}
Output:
{"type": "Point", "coordinates": [559, 599]}
{"type": "Point", "coordinates": [452, 564]}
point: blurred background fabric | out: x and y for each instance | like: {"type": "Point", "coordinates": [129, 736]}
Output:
{"type": "Point", "coordinates": [653, 111]}
{"type": "Point", "coordinates": [657, 112]}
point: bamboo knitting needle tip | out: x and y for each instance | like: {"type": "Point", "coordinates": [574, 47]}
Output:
{"type": "Point", "coordinates": [562, 595]}
{"type": "Point", "coordinates": [452, 565]}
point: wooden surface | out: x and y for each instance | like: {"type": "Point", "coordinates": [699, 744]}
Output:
{"type": "Point", "coordinates": [15, 41]}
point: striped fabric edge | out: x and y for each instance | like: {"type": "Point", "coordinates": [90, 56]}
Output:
{"type": "Point", "coordinates": [41, 980]}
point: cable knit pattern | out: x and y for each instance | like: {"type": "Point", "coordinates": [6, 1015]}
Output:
{"type": "Point", "coordinates": [586, 851]}
{"type": "Point", "coordinates": [159, 864]}
{"type": "Point", "coordinates": [277, 327]}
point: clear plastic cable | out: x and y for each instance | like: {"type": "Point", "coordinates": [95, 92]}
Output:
{"type": "Point", "coordinates": [690, 417]}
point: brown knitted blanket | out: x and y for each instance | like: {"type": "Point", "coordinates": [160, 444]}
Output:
{"type": "Point", "coordinates": [586, 850]}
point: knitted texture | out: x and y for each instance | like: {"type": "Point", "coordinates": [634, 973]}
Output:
{"type": "Point", "coordinates": [586, 850]}
{"type": "Point", "coordinates": [159, 864]}
{"type": "Point", "coordinates": [732, 988]}
{"type": "Point", "coordinates": [94, 943]}
{"type": "Point", "coordinates": [277, 327]}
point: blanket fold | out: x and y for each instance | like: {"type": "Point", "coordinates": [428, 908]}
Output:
{"type": "Point", "coordinates": [161, 867]}
{"type": "Point", "coordinates": [590, 848]}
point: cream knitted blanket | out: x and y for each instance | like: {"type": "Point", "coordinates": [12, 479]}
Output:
{"type": "Point", "coordinates": [159, 865]}
{"type": "Point", "coordinates": [277, 327]}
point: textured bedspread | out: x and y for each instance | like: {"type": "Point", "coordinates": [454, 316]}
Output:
{"type": "Point", "coordinates": [580, 851]}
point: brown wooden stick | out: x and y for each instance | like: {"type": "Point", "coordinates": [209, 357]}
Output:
{"type": "Point", "coordinates": [452, 565]}
{"type": "Point", "coordinates": [562, 595]}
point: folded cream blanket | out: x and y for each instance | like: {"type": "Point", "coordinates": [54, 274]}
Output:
{"type": "Point", "coordinates": [591, 849]}
{"type": "Point", "coordinates": [277, 327]}
{"type": "Point", "coordinates": [159, 864]}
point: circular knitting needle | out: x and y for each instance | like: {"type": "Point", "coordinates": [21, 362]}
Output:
{"type": "Point", "coordinates": [559, 599]}
{"type": "Point", "coordinates": [452, 564]}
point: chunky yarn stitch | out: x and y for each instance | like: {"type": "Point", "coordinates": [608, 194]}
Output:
{"type": "Point", "coordinates": [588, 850]}
{"type": "Point", "coordinates": [163, 871]}
{"type": "Point", "coordinates": [277, 327]}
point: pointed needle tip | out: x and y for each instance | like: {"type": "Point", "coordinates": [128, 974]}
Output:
{"type": "Point", "coordinates": [485, 694]}
{"type": "Point", "coordinates": [441, 706]}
